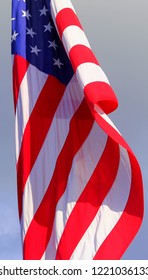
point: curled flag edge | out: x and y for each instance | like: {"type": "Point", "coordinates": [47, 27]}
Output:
{"type": "Point", "coordinates": [100, 106]}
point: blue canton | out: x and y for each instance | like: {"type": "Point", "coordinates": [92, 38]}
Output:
{"type": "Point", "coordinates": [35, 38]}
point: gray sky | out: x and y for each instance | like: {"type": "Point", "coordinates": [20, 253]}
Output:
{"type": "Point", "coordinates": [118, 34]}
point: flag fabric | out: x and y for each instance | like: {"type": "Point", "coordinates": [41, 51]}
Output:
{"type": "Point", "coordinates": [80, 193]}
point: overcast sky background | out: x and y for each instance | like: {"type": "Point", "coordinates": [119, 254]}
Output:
{"type": "Point", "coordinates": [118, 34]}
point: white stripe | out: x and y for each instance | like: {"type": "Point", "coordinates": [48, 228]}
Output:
{"type": "Point", "coordinates": [57, 6]}
{"type": "Point", "coordinates": [30, 89]}
{"type": "Point", "coordinates": [105, 117]}
{"type": "Point", "coordinates": [43, 168]}
{"type": "Point", "coordinates": [108, 214]}
{"type": "Point", "coordinates": [83, 167]}
{"type": "Point", "coordinates": [72, 36]}
{"type": "Point", "coordinates": [89, 72]}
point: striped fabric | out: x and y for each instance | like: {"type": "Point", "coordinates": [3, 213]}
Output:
{"type": "Point", "coordinates": [80, 191]}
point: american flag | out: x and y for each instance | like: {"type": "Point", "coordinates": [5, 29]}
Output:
{"type": "Point", "coordinates": [80, 193]}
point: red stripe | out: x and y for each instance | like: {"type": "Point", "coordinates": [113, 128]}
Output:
{"type": "Point", "coordinates": [108, 128]}
{"type": "Point", "coordinates": [101, 93]}
{"type": "Point", "coordinates": [66, 17]}
{"type": "Point", "coordinates": [39, 232]}
{"type": "Point", "coordinates": [80, 54]}
{"type": "Point", "coordinates": [130, 221]}
{"type": "Point", "coordinates": [90, 200]}
{"type": "Point", "coordinates": [20, 66]}
{"type": "Point", "coordinates": [36, 131]}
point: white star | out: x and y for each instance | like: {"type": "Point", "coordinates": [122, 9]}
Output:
{"type": "Point", "coordinates": [57, 62]}
{"type": "Point", "coordinates": [35, 50]}
{"type": "Point", "coordinates": [52, 44]}
{"type": "Point", "coordinates": [13, 18]}
{"type": "Point", "coordinates": [26, 14]}
{"type": "Point", "coordinates": [13, 37]}
{"type": "Point", "coordinates": [48, 27]}
{"type": "Point", "coordinates": [30, 32]}
{"type": "Point", "coordinates": [43, 11]}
